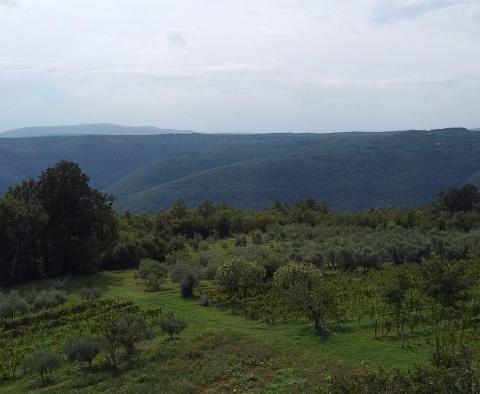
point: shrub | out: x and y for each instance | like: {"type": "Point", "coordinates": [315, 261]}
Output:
{"type": "Point", "coordinates": [257, 237]}
{"type": "Point", "coordinates": [82, 349]}
{"type": "Point", "coordinates": [123, 256]}
{"type": "Point", "coordinates": [172, 326]}
{"type": "Point", "coordinates": [90, 294]}
{"type": "Point", "coordinates": [204, 258]}
{"type": "Point", "coordinates": [6, 309]}
{"type": "Point", "coordinates": [10, 358]}
{"type": "Point", "coordinates": [49, 298]}
{"type": "Point", "coordinates": [153, 273]}
{"type": "Point", "coordinates": [58, 284]}
{"type": "Point", "coordinates": [204, 301]}
{"type": "Point", "coordinates": [124, 331]}
{"type": "Point", "coordinates": [187, 285]}
{"type": "Point", "coordinates": [132, 329]}
{"type": "Point", "coordinates": [240, 240]}
{"type": "Point", "coordinates": [12, 305]}
{"type": "Point", "coordinates": [195, 241]}
{"type": "Point", "coordinates": [210, 270]}
{"type": "Point", "coordinates": [43, 362]}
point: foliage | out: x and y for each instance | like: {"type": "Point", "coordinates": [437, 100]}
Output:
{"type": "Point", "coordinates": [124, 331]}
{"type": "Point", "coordinates": [12, 305]}
{"type": "Point", "coordinates": [43, 362]}
{"type": "Point", "coordinates": [90, 294]}
{"type": "Point", "coordinates": [49, 298]}
{"type": "Point", "coordinates": [240, 278]}
{"type": "Point", "coordinates": [153, 273]}
{"type": "Point", "coordinates": [172, 326]}
{"type": "Point", "coordinates": [58, 225]}
{"type": "Point", "coordinates": [82, 349]}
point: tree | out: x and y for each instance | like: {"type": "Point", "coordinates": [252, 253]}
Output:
{"type": "Point", "coordinates": [459, 200]}
{"type": "Point", "coordinates": [172, 326]}
{"type": "Point", "coordinates": [303, 289]}
{"type": "Point", "coordinates": [49, 298]}
{"type": "Point", "coordinates": [240, 278]}
{"type": "Point", "coordinates": [90, 294]}
{"type": "Point", "coordinates": [81, 224]}
{"type": "Point", "coordinates": [43, 362]}
{"type": "Point", "coordinates": [82, 349]}
{"type": "Point", "coordinates": [240, 240]}
{"type": "Point", "coordinates": [446, 283]}
{"type": "Point", "coordinates": [189, 281]}
{"type": "Point", "coordinates": [153, 273]}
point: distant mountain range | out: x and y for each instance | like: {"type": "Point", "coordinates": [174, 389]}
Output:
{"type": "Point", "coordinates": [88, 129]}
{"type": "Point", "coordinates": [347, 170]}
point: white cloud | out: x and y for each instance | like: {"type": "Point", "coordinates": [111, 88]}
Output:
{"type": "Point", "coordinates": [392, 10]}
{"type": "Point", "coordinates": [9, 3]}
{"type": "Point", "coordinates": [265, 65]}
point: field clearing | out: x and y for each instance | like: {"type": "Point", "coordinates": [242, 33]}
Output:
{"type": "Point", "coordinates": [222, 352]}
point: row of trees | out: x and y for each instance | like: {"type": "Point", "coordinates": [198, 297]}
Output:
{"type": "Point", "coordinates": [55, 226]}
{"type": "Point", "coordinates": [59, 225]}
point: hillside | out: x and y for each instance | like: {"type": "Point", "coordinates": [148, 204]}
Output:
{"type": "Point", "coordinates": [348, 170]}
{"type": "Point", "coordinates": [88, 129]}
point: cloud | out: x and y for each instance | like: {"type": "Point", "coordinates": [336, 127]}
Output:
{"type": "Point", "coordinates": [389, 11]}
{"type": "Point", "coordinates": [271, 34]}
{"type": "Point", "coordinates": [177, 37]}
{"type": "Point", "coordinates": [9, 3]}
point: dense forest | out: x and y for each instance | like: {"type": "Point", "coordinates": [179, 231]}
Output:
{"type": "Point", "coordinates": [144, 173]}
{"type": "Point", "coordinates": [406, 279]}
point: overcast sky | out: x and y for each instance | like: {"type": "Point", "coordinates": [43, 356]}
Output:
{"type": "Point", "coordinates": [241, 65]}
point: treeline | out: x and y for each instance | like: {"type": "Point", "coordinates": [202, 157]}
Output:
{"type": "Point", "coordinates": [446, 227]}
{"type": "Point", "coordinates": [55, 226]}
{"type": "Point", "coordinates": [58, 225]}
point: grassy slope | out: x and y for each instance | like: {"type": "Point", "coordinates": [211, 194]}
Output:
{"type": "Point", "coordinates": [217, 350]}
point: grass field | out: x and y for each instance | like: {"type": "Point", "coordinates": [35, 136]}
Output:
{"type": "Point", "coordinates": [222, 352]}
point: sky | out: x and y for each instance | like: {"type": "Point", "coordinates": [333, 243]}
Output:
{"type": "Point", "coordinates": [241, 65]}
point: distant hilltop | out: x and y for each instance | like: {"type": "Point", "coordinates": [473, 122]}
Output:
{"type": "Point", "coordinates": [88, 129]}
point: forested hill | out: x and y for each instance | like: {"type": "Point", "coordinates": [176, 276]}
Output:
{"type": "Point", "coordinates": [347, 170]}
{"type": "Point", "coordinates": [87, 129]}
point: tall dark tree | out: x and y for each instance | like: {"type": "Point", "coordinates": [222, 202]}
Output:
{"type": "Point", "coordinates": [459, 200]}
{"type": "Point", "coordinates": [81, 222]}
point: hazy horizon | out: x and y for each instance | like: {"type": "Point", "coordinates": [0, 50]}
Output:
{"type": "Point", "coordinates": [252, 66]}
{"type": "Point", "coordinates": [239, 132]}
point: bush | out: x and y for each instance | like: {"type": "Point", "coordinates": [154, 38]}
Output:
{"type": "Point", "coordinates": [58, 284]}
{"type": "Point", "coordinates": [132, 329]}
{"type": "Point", "coordinates": [49, 298]}
{"type": "Point", "coordinates": [90, 294]}
{"type": "Point", "coordinates": [187, 285]}
{"type": "Point", "coordinates": [204, 258]}
{"type": "Point", "coordinates": [257, 237]}
{"type": "Point", "coordinates": [42, 362]}
{"type": "Point", "coordinates": [125, 331]}
{"type": "Point", "coordinates": [210, 271]}
{"type": "Point", "coordinates": [153, 273]}
{"type": "Point", "coordinates": [82, 349]}
{"type": "Point", "coordinates": [172, 326]}
{"type": "Point", "coordinates": [204, 301]}
{"type": "Point", "coordinates": [240, 240]}
{"type": "Point", "coordinates": [10, 357]}
{"type": "Point", "coordinates": [123, 256]}
{"type": "Point", "coordinates": [12, 305]}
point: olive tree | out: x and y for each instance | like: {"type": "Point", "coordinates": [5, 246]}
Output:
{"type": "Point", "coordinates": [303, 289]}
{"type": "Point", "coordinates": [43, 362]}
{"type": "Point", "coordinates": [172, 326]}
{"type": "Point", "coordinates": [240, 278]}
{"type": "Point", "coordinates": [82, 349]}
